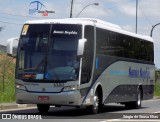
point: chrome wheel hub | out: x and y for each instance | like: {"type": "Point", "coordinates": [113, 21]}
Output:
{"type": "Point", "coordinates": [96, 102]}
{"type": "Point", "coordinates": [139, 99]}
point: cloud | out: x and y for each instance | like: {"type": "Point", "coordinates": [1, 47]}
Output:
{"type": "Point", "coordinates": [120, 12]}
{"type": "Point", "coordinates": [128, 10]}
{"type": "Point", "coordinates": [128, 28]}
{"type": "Point", "coordinates": [150, 7]}
{"type": "Point", "coordinates": [91, 10]}
{"type": "Point", "coordinates": [61, 11]}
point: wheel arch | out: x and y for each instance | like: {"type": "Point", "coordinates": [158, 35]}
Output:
{"type": "Point", "coordinates": [99, 89]}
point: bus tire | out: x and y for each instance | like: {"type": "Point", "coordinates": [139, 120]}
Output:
{"type": "Point", "coordinates": [96, 104]}
{"type": "Point", "coordinates": [138, 102]}
{"type": "Point", "coordinates": [43, 108]}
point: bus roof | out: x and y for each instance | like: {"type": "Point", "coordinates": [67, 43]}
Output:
{"type": "Point", "coordinates": [89, 21]}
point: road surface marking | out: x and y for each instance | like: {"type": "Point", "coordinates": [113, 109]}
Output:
{"type": "Point", "coordinates": [17, 109]}
{"type": "Point", "coordinates": [151, 100]}
{"type": "Point", "coordinates": [157, 112]}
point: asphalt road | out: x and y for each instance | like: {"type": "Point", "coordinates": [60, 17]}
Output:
{"type": "Point", "coordinates": [150, 108]}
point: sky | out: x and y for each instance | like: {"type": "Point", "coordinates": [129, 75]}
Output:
{"type": "Point", "coordinates": [14, 13]}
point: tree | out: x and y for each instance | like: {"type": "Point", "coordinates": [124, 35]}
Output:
{"type": "Point", "coordinates": [157, 74]}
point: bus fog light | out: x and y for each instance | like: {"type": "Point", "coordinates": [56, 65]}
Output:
{"type": "Point", "coordinates": [20, 86]}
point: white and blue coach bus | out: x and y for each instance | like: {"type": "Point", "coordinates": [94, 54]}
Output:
{"type": "Point", "coordinates": [82, 62]}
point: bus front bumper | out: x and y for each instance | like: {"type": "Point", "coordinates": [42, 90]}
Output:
{"type": "Point", "coordinates": [71, 98]}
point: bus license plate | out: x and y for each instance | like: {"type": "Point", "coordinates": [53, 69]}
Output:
{"type": "Point", "coordinates": [43, 97]}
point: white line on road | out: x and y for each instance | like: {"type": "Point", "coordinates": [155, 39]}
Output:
{"type": "Point", "coordinates": [157, 112]}
{"type": "Point", "coordinates": [18, 109]}
{"type": "Point", "coordinates": [151, 100]}
{"type": "Point", "coordinates": [15, 109]}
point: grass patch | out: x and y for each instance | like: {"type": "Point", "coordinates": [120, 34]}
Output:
{"type": "Point", "coordinates": [7, 79]}
{"type": "Point", "coordinates": [157, 89]}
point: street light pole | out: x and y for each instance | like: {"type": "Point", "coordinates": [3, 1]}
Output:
{"type": "Point", "coordinates": [96, 4]}
{"type": "Point", "coordinates": [153, 28]}
{"type": "Point", "coordinates": [136, 14]}
{"type": "Point", "coordinates": [71, 9]}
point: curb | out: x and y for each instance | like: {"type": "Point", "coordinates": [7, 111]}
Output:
{"type": "Point", "coordinates": [8, 106]}
{"type": "Point", "coordinates": [156, 97]}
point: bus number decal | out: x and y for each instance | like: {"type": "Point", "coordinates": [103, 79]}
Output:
{"type": "Point", "coordinates": [58, 84]}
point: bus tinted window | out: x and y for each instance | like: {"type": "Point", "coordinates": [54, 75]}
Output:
{"type": "Point", "coordinates": [120, 45]}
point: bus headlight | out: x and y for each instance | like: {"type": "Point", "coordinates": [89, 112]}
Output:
{"type": "Point", "coordinates": [21, 87]}
{"type": "Point", "coordinates": [70, 88]}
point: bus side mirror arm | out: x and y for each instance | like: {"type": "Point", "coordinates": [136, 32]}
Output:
{"type": "Point", "coordinates": [81, 43]}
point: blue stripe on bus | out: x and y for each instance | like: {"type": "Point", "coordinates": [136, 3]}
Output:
{"type": "Point", "coordinates": [112, 72]}
{"type": "Point", "coordinates": [97, 62]}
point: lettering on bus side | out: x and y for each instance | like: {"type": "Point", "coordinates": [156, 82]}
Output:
{"type": "Point", "coordinates": [139, 73]}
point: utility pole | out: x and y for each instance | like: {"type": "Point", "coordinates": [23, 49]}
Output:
{"type": "Point", "coordinates": [71, 9]}
{"type": "Point", "coordinates": [136, 13]}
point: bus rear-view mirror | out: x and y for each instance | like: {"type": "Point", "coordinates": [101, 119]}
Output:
{"type": "Point", "coordinates": [12, 45]}
{"type": "Point", "coordinates": [81, 43]}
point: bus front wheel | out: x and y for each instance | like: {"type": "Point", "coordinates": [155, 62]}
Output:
{"type": "Point", "coordinates": [43, 108]}
{"type": "Point", "coordinates": [96, 104]}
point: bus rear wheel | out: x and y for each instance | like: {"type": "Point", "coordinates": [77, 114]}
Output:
{"type": "Point", "coordinates": [43, 108]}
{"type": "Point", "coordinates": [136, 104]}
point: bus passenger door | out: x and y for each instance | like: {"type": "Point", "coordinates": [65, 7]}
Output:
{"type": "Point", "coordinates": [87, 58]}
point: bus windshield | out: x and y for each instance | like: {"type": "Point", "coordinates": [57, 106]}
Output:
{"type": "Point", "coordinates": [48, 52]}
